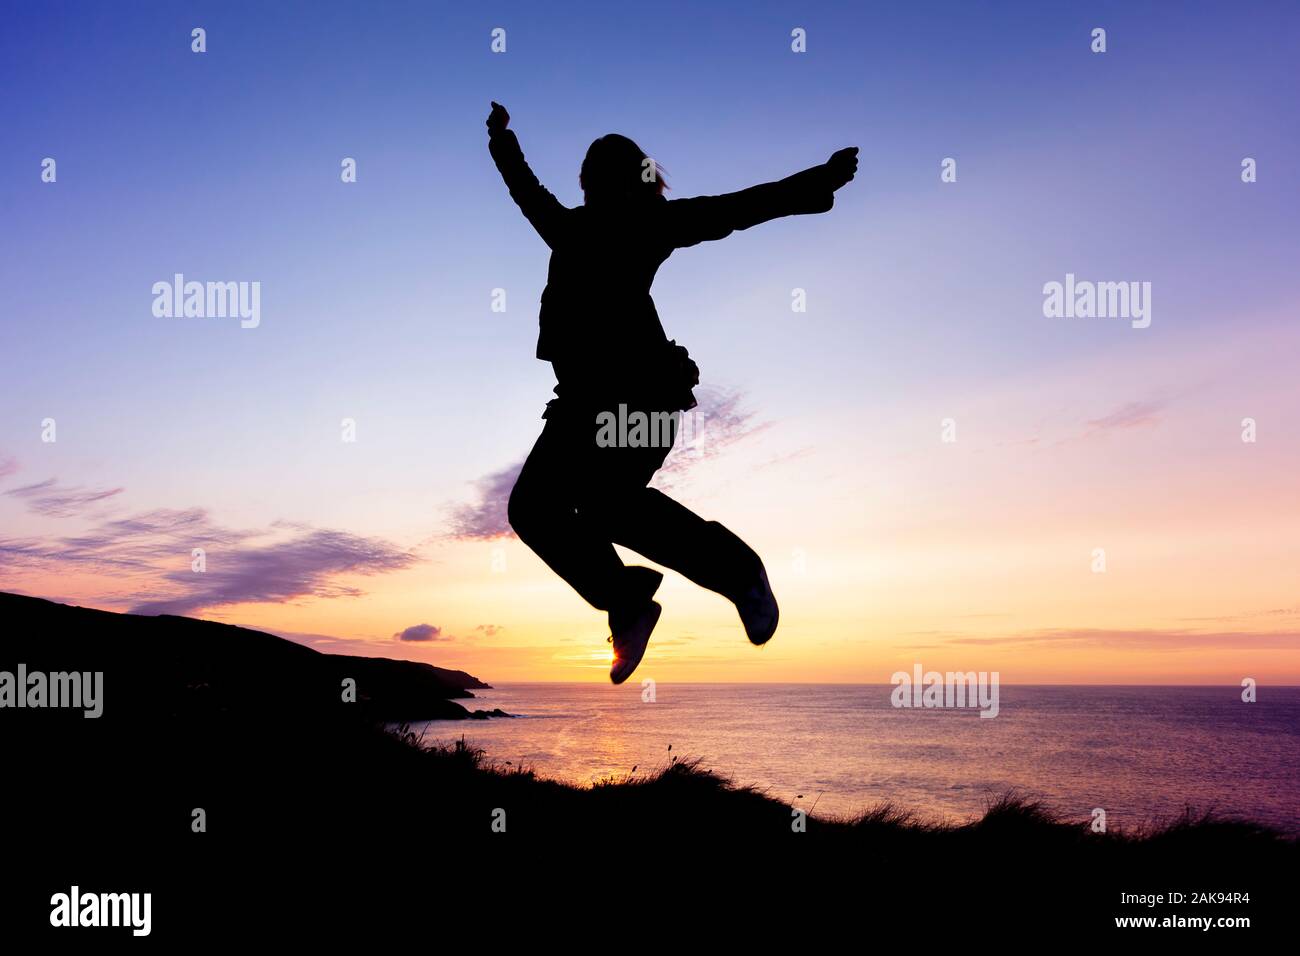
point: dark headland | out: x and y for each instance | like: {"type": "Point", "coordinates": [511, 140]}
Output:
{"type": "Point", "coordinates": [171, 665]}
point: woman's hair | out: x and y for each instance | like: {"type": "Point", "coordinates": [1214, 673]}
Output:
{"type": "Point", "coordinates": [617, 169]}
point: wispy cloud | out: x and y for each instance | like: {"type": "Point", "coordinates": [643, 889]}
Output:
{"type": "Point", "coordinates": [721, 420]}
{"type": "Point", "coordinates": [306, 565]}
{"type": "Point", "coordinates": [1130, 415]}
{"type": "Point", "coordinates": [486, 518]}
{"type": "Point", "coordinates": [48, 498]}
{"type": "Point", "coordinates": [1137, 639]}
{"type": "Point", "coordinates": [8, 466]}
{"type": "Point", "coordinates": [149, 556]}
{"type": "Point", "coordinates": [146, 542]}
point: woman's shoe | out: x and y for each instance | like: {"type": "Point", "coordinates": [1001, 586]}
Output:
{"type": "Point", "coordinates": [758, 610]}
{"type": "Point", "coordinates": [631, 634]}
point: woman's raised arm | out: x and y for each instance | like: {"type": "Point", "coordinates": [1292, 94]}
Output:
{"type": "Point", "coordinates": [542, 209]}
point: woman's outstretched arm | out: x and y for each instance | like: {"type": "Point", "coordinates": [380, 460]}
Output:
{"type": "Point", "coordinates": [537, 204]}
{"type": "Point", "coordinates": [690, 221]}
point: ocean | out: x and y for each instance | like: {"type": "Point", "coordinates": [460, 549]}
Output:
{"type": "Point", "coordinates": [1142, 754]}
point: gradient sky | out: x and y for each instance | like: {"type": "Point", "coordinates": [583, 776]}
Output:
{"type": "Point", "coordinates": [820, 439]}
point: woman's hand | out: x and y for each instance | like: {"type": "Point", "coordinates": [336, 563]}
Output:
{"type": "Point", "coordinates": [842, 165]}
{"type": "Point", "coordinates": [498, 119]}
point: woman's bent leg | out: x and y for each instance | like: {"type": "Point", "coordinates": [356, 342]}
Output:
{"type": "Point", "coordinates": [542, 513]}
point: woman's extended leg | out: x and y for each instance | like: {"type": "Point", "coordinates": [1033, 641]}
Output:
{"type": "Point", "coordinates": [669, 533]}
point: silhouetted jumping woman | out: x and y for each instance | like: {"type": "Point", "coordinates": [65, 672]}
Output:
{"type": "Point", "coordinates": [578, 496]}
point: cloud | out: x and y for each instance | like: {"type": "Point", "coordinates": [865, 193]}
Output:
{"type": "Point", "coordinates": [719, 421]}
{"type": "Point", "coordinates": [306, 565]}
{"type": "Point", "coordinates": [47, 498]}
{"type": "Point", "coordinates": [1137, 639]}
{"type": "Point", "coordinates": [1248, 615]}
{"type": "Point", "coordinates": [486, 518]}
{"type": "Point", "coordinates": [8, 466]}
{"type": "Point", "coordinates": [1131, 415]}
{"type": "Point", "coordinates": [488, 630]}
{"type": "Point", "coordinates": [420, 632]}
{"type": "Point", "coordinates": [149, 555]}
{"type": "Point", "coordinates": [142, 543]}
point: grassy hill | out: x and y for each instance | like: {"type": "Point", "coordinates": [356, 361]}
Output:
{"type": "Point", "coordinates": [252, 730]}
